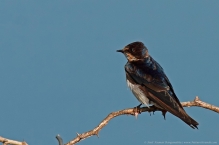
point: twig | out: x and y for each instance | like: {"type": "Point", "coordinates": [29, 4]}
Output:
{"type": "Point", "coordinates": [196, 102]}
{"type": "Point", "coordinates": [6, 141]}
{"type": "Point", "coordinates": [58, 137]}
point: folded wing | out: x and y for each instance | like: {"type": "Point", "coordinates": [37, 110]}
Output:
{"type": "Point", "coordinates": [158, 88]}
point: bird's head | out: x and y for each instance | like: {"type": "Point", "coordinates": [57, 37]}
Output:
{"type": "Point", "coordinates": [135, 51]}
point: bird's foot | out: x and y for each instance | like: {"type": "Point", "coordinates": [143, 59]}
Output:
{"type": "Point", "coordinates": [162, 110]}
{"type": "Point", "coordinates": [154, 109]}
{"type": "Point", "coordinates": [164, 113]}
{"type": "Point", "coordinates": [137, 110]}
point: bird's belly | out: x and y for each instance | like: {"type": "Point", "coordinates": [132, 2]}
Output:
{"type": "Point", "coordinates": [139, 94]}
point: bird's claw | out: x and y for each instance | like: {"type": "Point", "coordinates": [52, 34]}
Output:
{"type": "Point", "coordinates": [137, 110]}
{"type": "Point", "coordinates": [164, 114]}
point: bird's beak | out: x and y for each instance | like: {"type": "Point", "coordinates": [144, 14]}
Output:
{"type": "Point", "coordinates": [122, 51]}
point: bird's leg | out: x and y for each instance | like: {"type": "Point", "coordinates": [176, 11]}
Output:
{"type": "Point", "coordinates": [137, 110]}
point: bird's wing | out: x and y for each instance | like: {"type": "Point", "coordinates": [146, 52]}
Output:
{"type": "Point", "coordinates": [158, 89]}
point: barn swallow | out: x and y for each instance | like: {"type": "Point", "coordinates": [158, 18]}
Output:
{"type": "Point", "coordinates": [150, 85]}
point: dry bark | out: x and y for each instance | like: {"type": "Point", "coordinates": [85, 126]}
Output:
{"type": "Point", "coordinates": [6, 141]}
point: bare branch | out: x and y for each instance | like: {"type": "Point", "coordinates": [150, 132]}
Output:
{"type": "Point", "coordinates": [197, 102]}
{"type": "Point", "coordinates": [131, 111]}
{"type": "Point", "coordinates": [6, 141]}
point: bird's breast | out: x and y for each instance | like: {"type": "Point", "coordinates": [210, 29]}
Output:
{"type": "Point", "coordinates": [139, 93]}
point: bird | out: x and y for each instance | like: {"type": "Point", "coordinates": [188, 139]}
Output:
{"type": "Point", "coordinates": [149, 84]}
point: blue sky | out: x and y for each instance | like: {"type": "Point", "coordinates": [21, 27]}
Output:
{"type": "Point", "coordinates": [60, 73]}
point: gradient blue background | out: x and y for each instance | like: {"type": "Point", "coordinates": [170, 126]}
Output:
{"type": "Point", "coordinates": [60, 73]}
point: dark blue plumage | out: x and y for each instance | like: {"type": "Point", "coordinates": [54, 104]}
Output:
{"type": "Point", "coordinates": [148, 82]}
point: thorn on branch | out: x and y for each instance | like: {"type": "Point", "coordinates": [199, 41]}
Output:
{"type": "Point", "coordinates": [97, 134]}
{"type": "Point", "coordinates": [78, 135]}
{"type": "Point", "coordinates": [196, 99]}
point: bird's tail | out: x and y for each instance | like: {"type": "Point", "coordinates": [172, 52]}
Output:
{"type": "Point", "coordinates": [188, 120]}
{"type": "Point", "coordinates": [172, 105]}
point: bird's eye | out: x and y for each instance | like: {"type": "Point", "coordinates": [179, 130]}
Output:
{"type": "Point", "coordinates": [133, 49]}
